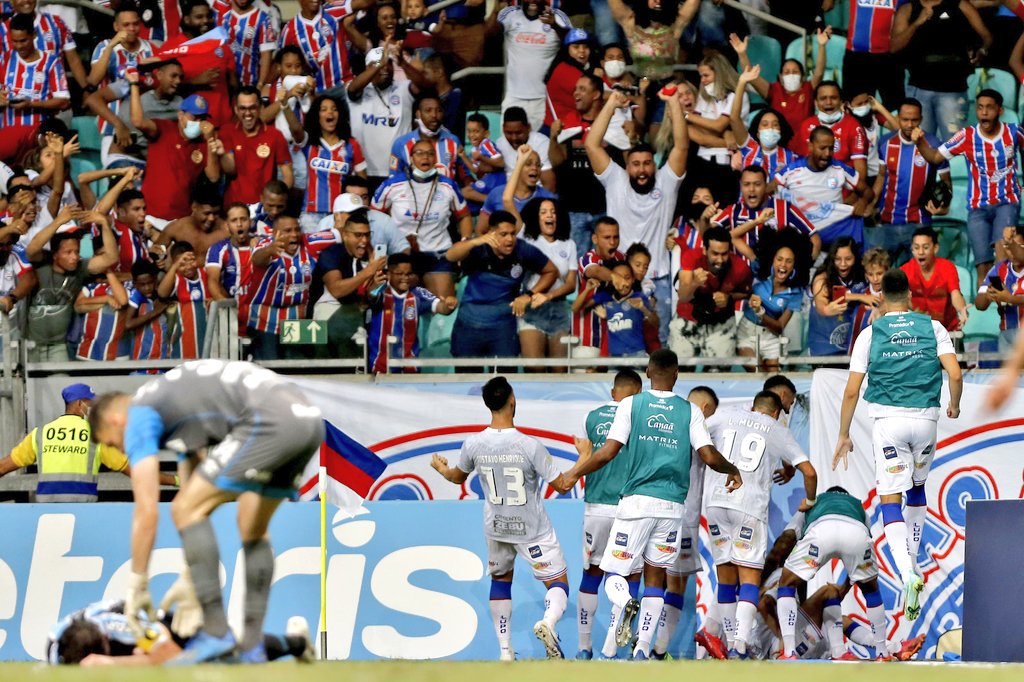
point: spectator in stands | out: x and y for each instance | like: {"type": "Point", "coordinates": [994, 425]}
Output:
{"type": "Point", "coordinates": [564, 73]}
{"type": "Point", "coordinates": [784, 261]}
{"type": "Point", "coordinates": [436, 72]}
{"type": "Point", "coordinates": [383, 229]}
{"type": "Point", "coordinates": [874, 118]}
{"type": "Point", "coordinates": [423, 203]}
{"type": "Point", "coordinates": [184, 283]}
{"type": "Point", "coordinates": [282, 273]}
{"type": "Point", "coordinates": [688, 230]}
{"type": "Point", "coordinates": [332, 154]}
{"type": "Point", "coordinates": [146, 319]}
{"type": "Point", "coordinates": [718, 88]}
{"type": "Point", "coordinates": [17, 278]}
{"type": "Point", "coordinates": [381, 110]}
{"type": "Point", "coordinates": [770, 150]}
{"type": "Point", "coordinates": [110, 59]}
{"type": "Point", "coordinates": [496, 266]}
{"type": "Point", "coordinates": [130, 230]}
{"type": "Point", "coordinates": [756, 211]}
{"type": "Point", "coordinates": [1004, 286]}
{"type": "Point", "coordinates": [934, 281]}
{"type": "Point", "coordinates": [933, 39]}
{"type": "Point", "coordinates": [482, 156]}
{"type": "Point", "coordinates": [228, 263]}
{"type": "Point", "coordinates": [990, 148]}
{"type": "Point", "coordinates": [517, 131]}
{"type": "Point", "coordinates": [429, 116]}
{"type": "Point", "coordinates": [542, 327]}
{"type": "Point", "coordinates": [533, 35]}
{"type": "Point", "coordinates": [50, 35]}
{"type": "Point", "coordinates": [252, 37]}
{"type": "Point", "coordinates": [523, 185]}
{"type": "Point", "coordinates": [625, 311]}
{"type": "Point", "coordinates": [35, 85]}
{"type": "Point", "coordinates": [464, 32]}
{"type": "Point", "coordinates": [817, 186]}
{"type": "Point", "coordinates": [273, 201]}
{"type": "Point", "coordinates": [102, 305]}
{"type": "Point", "coordinates": [850, 144]}
{"type": "Point", "coordinates": [641, 197]}
{"type": "Point", "coordinates": [318, 32]}
{"type": "Point", "coordinates": [289, 98]}
{"type": "Point", "coordinates": [202, 227]}
{"type": "Point", "coordinates": [590, 329]}
{"type": "Point", "coordinates": [179, 153]}
{"type": "Point", "coordinates": [653, 32]}
{"type": "Point", "coordinates": [380, 22]}
{"type": "Point", "coordinates": [254, 153]}
{"type": "Point", "coordinates": [582, 193]}
{"type": "Point", "coordinates": [835, 294]}
{"type": "Point", "coordinates": [868, 64]}
{"type": "Point", "coordinates": [344, 274]}
{"type": "Point", "coordinates": [61, 274]}
{"type": "Point", "coordinates": [615, 77]}
{"type": "Point", "coordinates": [396, 309]}
{"type": "Point", "coordinates": [711, 281]}
{"type": "Point", "coordinates": [876, 263]}
{"type": "Point", "coordinates": [905, 176]}
{"type": "Point", "coordinates": [791, 94]}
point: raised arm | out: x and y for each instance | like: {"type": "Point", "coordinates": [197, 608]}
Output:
{"type": "Point", "coordinates": [460, 250]}
{"type": "Point", "coordinates": [35, 248]}
{"type": "Point", "coordinates": [508, 194]}
{"type": "Point", "coordinates": [596, 153]}
{"type": "Point", "coordinates": [98, 70]}
{"type": "Point", "coordinates": [930, 153]}
{"type": "Point", "coordinates": [451, 474]}
{"type": "Point", "coordinates": [138, 117]}
{"type": "Point", "coordinates": [680, 139]}
{"type": "Point", "coordinates": [109, 256]}
{"type": "Point", "coordinates": [821, 57]}
{"type": "Point", "coordinates": [736, 122]}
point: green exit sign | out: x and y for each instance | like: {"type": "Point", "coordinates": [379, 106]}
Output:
{"type": "Point", "coordinates": [307, 332]}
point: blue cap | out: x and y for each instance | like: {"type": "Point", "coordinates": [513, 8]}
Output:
{"type": "Point", "coordinates": [77, 392]}
{"type": "Point", "coordinates": [196, 105]}
{"type": "Point", "coordinates": [576, 35]}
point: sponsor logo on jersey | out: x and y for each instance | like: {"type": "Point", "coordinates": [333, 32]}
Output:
{"type": "Point", "coordinates": [621, 554]}
{"type": "Point", "coordinates": [713, 529]}
{"type": "Point", "coordinates": [665, 549]}
{"type": "Point", "coordinates": [541, 565]}
{"type": "Point", "coordinates": [810, 561]}
{"type": "Point", "coordinates": [813, 550]}
{"type": "Point", "coordinates": [660, 422]}
{"type": "Point", "coordinates": [686, 543]}
{"type": "Point", "coordinates": [888, 452]}
{"type": "Point", "coordinates": [746, 533]}
{"type": "Point", "coordinates": [903, 338]}
{"type": "Point", "coordinates": [672, 536]}
{"type": "Point", "coordinates": [590, 538]}
{"type": "Point", "coordinates": [535, 552]}
{"type": "Point", "coordinates": [896, 468]}
{"type": "Point", "coordinates": [329, 166]}
{"type": "Point", "coordinates": [621, 539]}
{"type": "Point", "coordinates": [742, 545]}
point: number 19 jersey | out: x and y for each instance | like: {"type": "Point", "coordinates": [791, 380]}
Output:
{"type": "Point", "coordinates": [755, 443]}
{"type": "Point", "coordinates": [510, 466]}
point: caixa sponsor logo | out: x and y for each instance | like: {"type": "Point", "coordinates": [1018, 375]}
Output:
{"type": "Point", "coordinates": [329, 166]}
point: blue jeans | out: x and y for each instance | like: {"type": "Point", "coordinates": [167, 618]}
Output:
{"type": "Point", "coordinates": [500, 340]}
{"type": "Point", "coordinates": [942, 113]}
{"type": "Point", "coordinates": [582, 229]}
{"type": "Point", "coordinates": [893, 238]}
{"type": "Point", "coordinates": [605, 26]}
{"type": "Point", "coordinates": [985, 227]}
{"type": "Point", "coordinates": [663, 299]}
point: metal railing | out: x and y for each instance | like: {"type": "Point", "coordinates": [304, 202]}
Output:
{"type": "Point", "coordinates": [83, 4]}
{"type": "Point", "coordinates": [766, 17]}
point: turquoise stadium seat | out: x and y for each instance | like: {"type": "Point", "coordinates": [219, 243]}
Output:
{"type": "Point", "coordinates": [767, 53]}
{"type": "Point", "coordinates": [88, 132]}
{"type": "Point", "coordinates": [1001, 81]}
{"type": "Point", "coordinates": [967, 286]}
{"type": "Point", "coordinates": [805, 51]}
{"type": "Point", "coordinates": [982, 325]}
{"type": "Point", "coordinates": [839, 16]}
{"type": "Point", "coordinates": [958, 168]}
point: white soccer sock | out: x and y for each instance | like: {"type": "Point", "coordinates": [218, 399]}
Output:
{"type": "Point", "coordinates": [896, 536]}
{"type": "Point", "coordinates": [586, 608]}
{"type": "Point", "coordinates": [667, 625]}
{"type": "Point", "coordinates": [832, 624]}
{"type": "Point", "coordinates": [876, 614]}
{"type": "Point", "coordinates": [617, 589]}
{"type": "Point", "coordinates": [915, 519]}
{"type": "Point", "coordinates": [650, 613]}
{"type": "Point", "coordinates": [501, 614]}
{"type": "Point", "coordinates": [728, 613]}
{"type": "Point", "coordinates": [745, 612]}
{"type": "Point", "coordinates": [861, 635]}
{"type": "Point", "coordinates": [555, 602]}
{"type": "Point", "coordinates": [610, 648]}
{"type": "Point", "coordinates": [787, 623]}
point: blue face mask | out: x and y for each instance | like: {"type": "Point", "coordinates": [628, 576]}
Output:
{"type": "Point", "coordinates": [769, 138]}
{"type": "Point", "coordinates": [192, 130]}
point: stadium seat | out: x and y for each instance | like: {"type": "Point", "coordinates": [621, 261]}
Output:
{"type": "Point", "coordinates": [493, 119]}
{"type": "Point", "coordinates": [834, 52]}
{"type": "Point", "coordinates": [766, 52]}
{"type": "Point", "coordinates": [88, 133]}
{"type": "Point", "coordinates": [1001, 81]}
{"type": "Point", "coordinates": [982, 325]}
{"type": "Point", "coordinates": [958, 168]}
{"type": "Point", "coordinates": [839, 16]}
{"type": "Point", "coordinates": [967, 285]}
{"type": "Point", "coordinates": [81, 163]}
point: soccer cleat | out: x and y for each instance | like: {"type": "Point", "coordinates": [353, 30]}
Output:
{"type": "Point", "coordinates": [639, 655]}
{"type": "Point", "coordinates": [884, 658]}
{"type": "Point", "coordinates": [912, 597]}
{"type": "Point", "coordinates": [624, 630]}
{"type": "Point", "coordinates": [735, 655]}
{"type": "Point", "coordinates": [584, 655]}
{"type": "Point", "coordinates": [655, 656]}
{"type": "Point", "coordinates": [713, 645]}
{"type": "Point", "coordinates": [785, 657]}
{"type": "Point", "coordinates": [507, 654]}
{"type": "Point", "coordinates": [548, 638]}
{"type": "Point", "coordinates": [910, 648]}
{"type": "Point", "coordinates": [204, 648]}
{"type": "Point", "coordinates": [257, 654]}
{"type": "Point", "coordinates": [298, 627]}
{"type": "Point", "coordinates": [848, 656]}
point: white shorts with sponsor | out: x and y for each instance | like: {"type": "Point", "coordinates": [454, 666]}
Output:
{"type": "Point", "coordinates": [834, 537]}
{"type": "Point", "coordinates": [633, 542]}
{"type": "Point", "coordinates": [903, 449]}
{"type": "Point", "coordinates": [811, 643]}
{"type": "Point", "coordinates": [688, 561]}
{"type": "Point", "coordinates": [597, 525]}
{"type": "Point", "coordinates": [544, 556]}
{"type": "Point", "coordinates": [736, 537]}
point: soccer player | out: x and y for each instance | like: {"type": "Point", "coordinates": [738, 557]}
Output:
{"type": "Point", "coordinates": [601, 495]}
{"type": "Point", "coordinates": [258, 431]}
{"type": "Point", "coordinates": [903, 354]}
{"type": "Point", "coordinates": [510, 465]}
{"type": "Point", "coordinates": [755, 442]}
{"type": "Point", "coordinates": [658, 430]}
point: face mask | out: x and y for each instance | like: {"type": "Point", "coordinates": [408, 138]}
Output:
{"type": "Point", "coordinates": [861, 111]}
{"type": "Point", "coordinates": [829, 119]}
{"type": "Point", "coordinates": [192, 130]}
{"type": "Point", "coordinates": [709, 89]}
{"type": "Point", "coordinates": [425, 131]}
{"type": "Point", "coordinates": [423, 175]}
{"type": "Point", "coordinates": [769, 138]}
{"type": "Point", "coordinates": [615, 68]}
{"type": "Point", "coordinates": [791, 82]}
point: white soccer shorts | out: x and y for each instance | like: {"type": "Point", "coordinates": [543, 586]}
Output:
{"type": "Point", "coordinates": [633, 542]}
{"type": "Point", "coordinates": [834, 537]}
{"type": "Point", "coordinates": [688, 561]}
{"type": "Point", "coordinates": [544, 556]}
{"type": "Point", "coordinates": [736, 537]}
{"type": "Point", "coordinates": [903, 449]}
{"type": "Point", "coordinates": [597, 526]}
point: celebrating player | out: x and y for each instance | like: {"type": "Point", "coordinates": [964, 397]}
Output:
{"type": "Point", "coordinates": [903, 354]}
{"type": "Point", "coordinates": [509, 464]}
{"type": "Point", "coordinates": [658, 430]}
{"type": "Point", "coordinates": [738, 521]}
{"type": "Point", "coordinates": [258, 432]}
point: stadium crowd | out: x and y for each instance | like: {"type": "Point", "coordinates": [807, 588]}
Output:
{"type": "Point", "coordinates": [658, 176]}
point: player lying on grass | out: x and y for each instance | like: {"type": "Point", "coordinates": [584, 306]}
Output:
{"type": "Point", "coordinates": [100, 634]}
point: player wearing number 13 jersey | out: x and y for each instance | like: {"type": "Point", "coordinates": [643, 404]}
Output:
{"type": "Point", "coordinates": [738, 521]}
{"type": "Point", "coordinates": [509, 466]}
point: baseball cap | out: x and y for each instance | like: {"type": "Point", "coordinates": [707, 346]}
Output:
{"type": "Point", "coordinates": [347, 202]}
{"type": "Point", "coordinates": [77, 392]}
{"type": "Point", "coordinates": [196, 105]}
{"type": "Point", "coordinates": [375, 56]}
{"type": "Point", "coordinates": [576, 35]}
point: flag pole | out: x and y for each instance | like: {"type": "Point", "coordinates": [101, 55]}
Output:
{"type": "Point", "coordinates": [322, 484]}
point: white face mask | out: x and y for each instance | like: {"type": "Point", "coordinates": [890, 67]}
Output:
{"type": "Point", "coordinates": [192, 130]}
{"type": "Point", "coordinates": [861, 111]}
{"type": "Point", "coordinates": [425, 131]}
{"type": "Point", "coordinates": [769, 138]}
{"type": "Point", "coordinates": [424, 174]}
{"type": "Point", "coordinates": [614, 68]}
{"type": "Point", "coordinates": [709, 89]}
{"type": "Point", "coordinates": [829, 119]}
{"type": "Point", "coordinates": [791, 82]}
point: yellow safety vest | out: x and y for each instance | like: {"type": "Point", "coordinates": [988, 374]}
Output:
{"type": "Point", "coordinates": [68, 466]}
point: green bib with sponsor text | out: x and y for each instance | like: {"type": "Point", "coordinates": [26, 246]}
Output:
{"type": "Point", "coordinates": [903, 368]}
{"type": "Point", "coordinates": [604, 485]}
{"type": "Point", "coordinates": [659, 448]}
